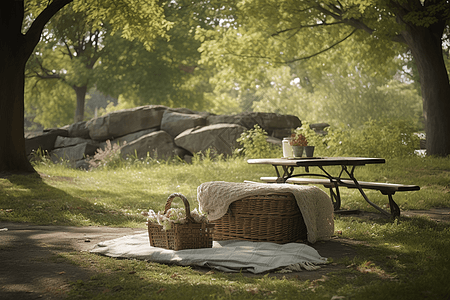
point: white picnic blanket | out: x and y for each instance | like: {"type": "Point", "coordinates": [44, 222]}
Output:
{"type": "Point", "coordinates": [315, 205]}
{"type": "Point", "coordinates": [226, 256]}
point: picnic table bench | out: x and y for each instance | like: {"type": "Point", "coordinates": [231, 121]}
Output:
{"type": "Point", "coordinates": [334, 182]}
{"type": "Point", "coordinates": [388, 189]}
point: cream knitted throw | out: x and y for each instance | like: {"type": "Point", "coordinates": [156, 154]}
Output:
{"type": "Point", "coordinates": [315, 205]}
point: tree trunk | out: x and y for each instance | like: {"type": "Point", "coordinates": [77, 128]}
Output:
{"type": "Point", "coordinates": [15, 50]}
{"type": "Point", "coordinates": [81, 97]}
{"type": "Point", "coordinates": [13, 157]}
{"type": "Point", "coordinates": [13, 58]}
{"type": "Point", "coordinates": [426, 47]}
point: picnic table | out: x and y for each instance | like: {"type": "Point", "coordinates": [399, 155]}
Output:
{"type": "Point", "coordinates": [344, 178]}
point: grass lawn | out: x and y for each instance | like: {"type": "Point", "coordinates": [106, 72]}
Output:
{"type": "Point", "coordinates": [405, 259]}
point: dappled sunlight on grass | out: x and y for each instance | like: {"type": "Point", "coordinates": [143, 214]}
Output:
{"type": "Point", "coordinates": [404, 259]}
{"type": "Point", "coordinates": [120, 194]}
{"type": "Point", "coordinates": [413, 251]}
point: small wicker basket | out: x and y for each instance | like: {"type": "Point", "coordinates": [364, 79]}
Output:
{"type": "Point", "coordinates": [262, 218]}
{"type": "Point", "coordinates": [190, 235]}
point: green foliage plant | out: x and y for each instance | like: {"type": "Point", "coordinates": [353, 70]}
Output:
{"type": "Point", "coordinates": [40, 156]}
{"type": "Point", "coordinates": [312, 138]}
{"type": "Point", "coordinates": [377, 138]}
{"type": "Point", "coordinates": [254, 144]}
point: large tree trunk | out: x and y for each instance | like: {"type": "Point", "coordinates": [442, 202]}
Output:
{"type": "Point", "coordinates": [426, 47]}
{"type": "Point", "coordinates": [81, 97]}
{"type": "Point", "coordinates": [13, 157]}
{"type": "Point", "coordinates": [13, 57]}
{"type": "Point", "coordinates": [15, 50]}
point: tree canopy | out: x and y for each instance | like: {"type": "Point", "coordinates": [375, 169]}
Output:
{"type": "Point", "coordinates": [361, 35]}
{"type": "Point", "coordinates": [325, 44]}
{"type": "Point", "coordinates": [244, 75]}
{"type": "Point", "coordinates": [82, 56]}
{"type": "Point", "coordinates": [22, 24]}
{"type": "Point", "coordinates": [70, 47]}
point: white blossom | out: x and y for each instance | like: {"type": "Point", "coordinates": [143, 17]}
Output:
{"type": "Point", "coordinates": [174, 216]}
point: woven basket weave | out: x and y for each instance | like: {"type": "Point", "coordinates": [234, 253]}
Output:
{"type": "Point", "coordinates": [190, 235]}
{"type": "Point", "coordinates": [262, 218]}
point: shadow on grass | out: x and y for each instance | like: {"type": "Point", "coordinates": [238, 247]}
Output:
{"type": "Point", "coordinates": [32, 266]}
{"type": "Point", "coordinates": [27, 198]}
{"type": "Point", "coordinates": [126, 279]}
{"type": "Point", "coordinates": [413, 251]}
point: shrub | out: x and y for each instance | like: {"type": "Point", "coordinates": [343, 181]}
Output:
{"type": "Point", "coordinates": [383, 138]}
{"type": "Point", "coordinates": [312, 138]}
{"type": "Point", "coordinates": [254, 144]}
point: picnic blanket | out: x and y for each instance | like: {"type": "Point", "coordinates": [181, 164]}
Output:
{"type": "Point", "coordinates": [315, 205]}
{"type": "Point", "coordinates": [226, 256]}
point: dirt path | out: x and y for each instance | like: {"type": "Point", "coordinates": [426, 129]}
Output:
{"type": "Point", "coordinates": [31, 269]}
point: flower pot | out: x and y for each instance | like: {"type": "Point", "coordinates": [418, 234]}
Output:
{"type": "Point", "coordinates": [309, 150]}
{"type": "Point", "coordinates": [297, 151]}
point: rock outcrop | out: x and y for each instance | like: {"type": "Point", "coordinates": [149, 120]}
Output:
{"type": "Point", "coordinates": [158, 131]}
{"type": "Point", "coordinates": [158, 144]}
{"type": "Point", "coordinates": [122, 122]}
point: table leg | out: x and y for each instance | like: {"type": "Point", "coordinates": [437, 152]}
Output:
{"type": "Point", "coordinates": [395, 210]}
{"type": "Point", "coordinates": [287, 173]}
{"type": "Point", "coordinates": [358, 186]}
{"type": "Point", "coordinates": [335, 197]}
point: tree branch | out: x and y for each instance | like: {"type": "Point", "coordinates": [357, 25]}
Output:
{"type": "Point", "coordinates": [306, 26]}
{"type": "Point", "coordinates": [322, 51]}
{"type": "Point", "coordinates": [335, 9]}
{"type": "Point", "coordinates": [296, 59]}
{"type": "Point", "coordinates": [326, 12]}
{"type": "Point", "coordinates": [34, 32]}
{"type": "Point", "coordinates": [68, 50]}
{"type": "Point", "coordinates": [51, 76]}
{"type": "Point", "coordinates": [45, 73]}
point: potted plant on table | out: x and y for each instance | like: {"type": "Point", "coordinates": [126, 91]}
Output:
{"type": "Point", "coordinates": [298, 142]}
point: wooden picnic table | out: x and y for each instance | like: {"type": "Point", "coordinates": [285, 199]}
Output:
{"type": "Point", "coordinates": [345, 177]}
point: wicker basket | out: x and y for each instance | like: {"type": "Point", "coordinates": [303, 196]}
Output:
{"type": "Point", "coordinates": [190, 235]}
{"type": "Point", "coordinates": [262, 218]}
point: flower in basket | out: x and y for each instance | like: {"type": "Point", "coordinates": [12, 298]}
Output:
{"type": "Point", "coordinates": [174, 216]}
{"type": "Point", "coordinates": [298, 139]}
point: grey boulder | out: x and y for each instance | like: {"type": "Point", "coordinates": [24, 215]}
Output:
{"type": "Point", "coordinates": [221, 138]}
{"type": "Point", "coordinates": [123, 122]}
{"type": "Point", "coordinates": [157, 144]}
{"type": "Point", "coordinates": [73, 153]}
{"type": "Point", "coordinates": [175, 123]}
{"type": "Point", "coordinates": [62, 141]}
{"type": "Point", "coordinates": [274, 124]}
{"type": "Point", "coordinates": [78, 129]}
{"type": "Point", "coordinates": [44, 141]}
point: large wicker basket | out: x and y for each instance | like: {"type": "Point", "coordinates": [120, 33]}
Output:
{"type": "Point", "coordinates": [190, 235]}
{"type": "Point", "coordinates": [262, 218]}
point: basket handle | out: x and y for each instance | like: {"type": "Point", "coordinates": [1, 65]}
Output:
{"type": "Point", "coordinates": [186, 205]}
